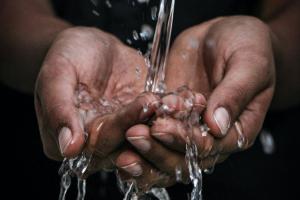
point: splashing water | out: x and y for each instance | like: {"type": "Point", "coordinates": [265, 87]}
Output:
{"type": "Point", "coordinates": [81, 187]}
{"type": "Point", "coordinates": [74, 167]}
{"type": "Point", "coordinates": [154, 83]}
{"type": "Point", "coordinates": [88, 109]}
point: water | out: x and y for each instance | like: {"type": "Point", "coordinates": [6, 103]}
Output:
{"type": "Point", "coordinates": [267, 142]}
{"type": "Point", "coordinates": [88, 109]}
{"type": "Point", "coordinates": [241, 142]}
{"type": "Point", "coordinates": [160, 47]}
{"type": "Point", "coordinates": [74, 167]}
{"type": "Point", "coordinates": [81, 188]}
{"type": "Point", "coordinates": [154, 82]}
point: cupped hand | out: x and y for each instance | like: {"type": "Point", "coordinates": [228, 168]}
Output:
{"type": "Point", "coordinates": [230, 61]}
{"type": "Point", "coordinates": [87, 74]}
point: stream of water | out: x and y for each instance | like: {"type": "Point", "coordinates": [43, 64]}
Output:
{"type": "Point", "coordinates": [154, 83]}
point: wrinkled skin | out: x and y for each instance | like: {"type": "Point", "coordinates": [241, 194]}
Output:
{"type": "Point", "coordinates": [229, 60]}
{"type": "Point", "coordinates": [103, 66]}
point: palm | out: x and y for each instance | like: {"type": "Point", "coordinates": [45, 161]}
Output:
{"type": "Point", "coordinates": [96, 64]}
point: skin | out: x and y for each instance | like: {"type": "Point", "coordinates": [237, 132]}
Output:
{"type": "Point", "coordinates": [66, 66]}
{"type": "Point", "coordinates": [218, 66]}
{"type": "Point", "coordinates": [240, 51]}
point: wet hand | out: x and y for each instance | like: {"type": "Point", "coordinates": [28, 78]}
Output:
{"type": "Point", "coordinates": [161, 147]}
{"type": "Point", "coordinates": [230, 61]}
{"type": "Point", "coordinates": [84, 69]}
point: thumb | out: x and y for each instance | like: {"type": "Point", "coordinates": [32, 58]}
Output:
{"type": "Point", "coordinates": [60, 126]}
{"type": "Point", "coordinates": [106, 133]}
{"type": "Point", "coordinates": [245, 77]}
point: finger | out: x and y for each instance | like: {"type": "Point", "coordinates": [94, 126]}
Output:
{"type": "Point", "coordinates": [245, 130]}
{"type": "Point", "coordinates": [132, 166]}
{"type": "Point", "coordinates": [173, 134]}
{"type": "Point", "coordinates": [60, 125]}
{"type": "Point", "coordinates": [162, 158]}
{"type": "Point", "coordinates": [246, 76]}
{"type": "Point", "coordinates": [107, 133]}
{"type": "Point", "coordinates": [179, 105]}
{"type": "Point", "coordinates": [170, 132]}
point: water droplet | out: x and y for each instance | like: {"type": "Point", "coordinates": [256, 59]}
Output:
{"type": "Point", "coordinates": [146, 32]}
{"type": "Point", "coordinates": [154, 13]}
{"type": "Point", "coordinates": [95, 12]}
{"type": "Point", "coordinates": [129, 41]}
{"type": "Point", "coordinates": [108, 3]}
{"type": "Point", "coordinates": [204, 130]}
{"type": "Point", "coordinates": [135, 35]}
{"type": "Point", "coordinates": [165, 108]}
{"type": "Point", "coordinates": [159, 193]}
{"type": "Point", "coordinates": [140, 52]}
{"type": "Point", "coordinates": [143, 1]}
{"type": "Point", "coordinates": [241, 142]}
{"type": "Point", "coordinates": [178, 172]}
{"type": "Point", "coordinates": [94, 2]}
{"type": "Point", "coordinates": [138, 72]}
{"type": "Point", "coordinates": [188, 103]}
{"type": "Point", "coordinates": [267, 142]}
{"type": "Point", "coordinates": [209, 170]}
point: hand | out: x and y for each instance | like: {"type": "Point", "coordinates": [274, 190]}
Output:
{"type": "Point", "coordinates": [83, 71]}
{"type": "Point", "coordinates": [229, 60]}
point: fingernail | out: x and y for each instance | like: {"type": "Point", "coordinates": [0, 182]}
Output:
{"type": "Point", "coordinates": [222, 119]}
{"type": "Point", "coordinates": [134, 169]}
{"type": "Point", "coordinates": [164, 137]}
{"type": "Point", "coordinates": [140, 143]}
{"type": "Point", "coordinates": [64, 139]}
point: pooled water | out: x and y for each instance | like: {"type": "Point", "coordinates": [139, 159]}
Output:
{"type": "Point", "coordinates": [154, 83]}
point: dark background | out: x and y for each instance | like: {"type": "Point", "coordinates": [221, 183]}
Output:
{"type": "Point", "coordinates": [248, 175]}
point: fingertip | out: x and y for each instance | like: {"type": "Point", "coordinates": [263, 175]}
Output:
{"type": "Point", "coordinates": [70, 142]}
{"type": "Point", "coordinates": [200, 100]}
{"type": "Point", "coordinates": [218, 120]}
{"type": "Point", "coordinates": [129, 162]}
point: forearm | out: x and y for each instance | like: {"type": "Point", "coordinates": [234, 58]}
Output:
{"type": "Point", "coordinates": [27, 31]}
{"type": "Point", "coordinates": [285, 26]}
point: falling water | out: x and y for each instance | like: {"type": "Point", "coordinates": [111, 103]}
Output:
{"type": "Point", "coordinates": [160, 47]}
{"type": "Point", "coordinates": [154, 83]}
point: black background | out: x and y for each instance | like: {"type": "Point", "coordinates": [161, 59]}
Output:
{"type": "Point", "coordinates": [28, 174]}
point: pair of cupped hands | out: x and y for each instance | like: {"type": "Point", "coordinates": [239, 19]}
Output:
{"type": "Point", "coordinates": [227, 63]}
